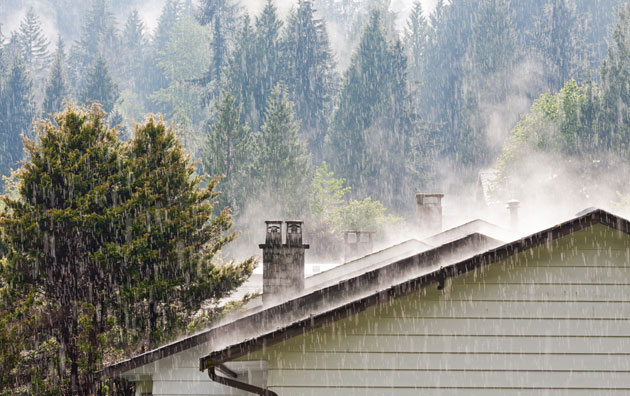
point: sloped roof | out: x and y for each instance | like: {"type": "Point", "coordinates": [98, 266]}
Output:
{"type": "Point", "coordinates": [432, 274]}
{"type": "Point", "coordinates": [263, 326]}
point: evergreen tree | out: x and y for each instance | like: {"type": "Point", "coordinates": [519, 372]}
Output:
{"type": "Point", "coordinates": [56, 88]}
{"type": "Point", "coordinates": [34, 44]}
{"type": "Point", "coordinates": [134, 44]}
{"type": "Point", "coordinates": [370, 131]}
{"type": "Point", "coordinates": [100, 88]}
{"type": "Point", "coordinates": [116, 242]}
{"type": "Point", "coordinates": [613, 120]}
{"type": "Point", "coordinates": [156, 78]}
{"type": "Point", "coordinates": [240, 71]}
{"type": "Point", "coordinates": [98, 39]}
{"type": "Point", "coordinates": [228, 153]}
{"type": "Point", "coordinates": [16, 115]}
{"type": "Point", "coordinates": [268, 69]}
{"type": "Point", "coordinates": [557, 38]}
{"type": "Point", "coordinates": [174, 265]}
{"type": "Point", "coordinates": [310, 73]}
{"type": "Point", "coordinates": [221, 16]}
{"type": "Point", "coordinates": [416, 39]}
{"type": "Point", "coordinates": [282, 166]}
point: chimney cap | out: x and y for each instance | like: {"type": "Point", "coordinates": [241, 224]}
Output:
{"type": "Point", "coordinates": [513, 203]}
{"type": "Point", "coordinates": [431, 199]}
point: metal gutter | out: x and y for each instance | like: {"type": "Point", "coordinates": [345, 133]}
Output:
{"type": "Point", "coordinates": [238, 384]}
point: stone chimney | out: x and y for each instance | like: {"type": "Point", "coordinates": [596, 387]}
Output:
{"type": "Point", "coordinates": [429, 213]}
{"type": "Point", "coordinates": [357, 244]}
{"type": "Point", "coordinates": [513, 206]}
{"type": "Point", "coordinates": [283, 264]}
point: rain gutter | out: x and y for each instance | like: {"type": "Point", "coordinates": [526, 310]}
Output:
{"type": "Point", "coordinates": [237, 384]}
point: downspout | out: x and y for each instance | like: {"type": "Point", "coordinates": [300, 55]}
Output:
{"type": "Point", "coordinates": [237, 384]}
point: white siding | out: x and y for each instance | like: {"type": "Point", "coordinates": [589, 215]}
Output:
{"type": "Point", "coordinates": [551, 321]}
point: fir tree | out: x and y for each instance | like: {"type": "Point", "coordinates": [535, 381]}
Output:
{"type": "Point", "coordinates": [157, 79]}
{"type": "Point", "coordinates": [416, 39]}
{"type": "Point", "coordinates": [282, 165]}
{"type": "Point", "coordinates": [268, 58]}
{"type": "Point", "coordinates": [229, 152]}
{"type": "Point", "coordinates": [240, 71]}
{"type": "Point", "coordinates": [221, 16]}
{"type": "Point", "coordinates": [557, 37]}
{"type": "Point", "coordinates": [176, 239]}
{"type": "Point", "coordinates": [100, 88]}
{"type": "Point", "coordinates": [110, 239]}
{"type": "Point", "coordinates": [98, 38]}
{"type": "Point", "coordinates": [56, 88]}
{"type": "Point", "coordinates": [34, 44]}
{"type": "Point", "coordinates": [16, 115]}
{"type": "Point", "coordinates": [134, 44]}
{"type": "Point", "coordinates": [310, 73]}
{"type": "Point", "coordinates": [370, 129]}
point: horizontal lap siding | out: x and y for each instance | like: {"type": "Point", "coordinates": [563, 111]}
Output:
{"type": "Point", "coordinates": [551, 321]}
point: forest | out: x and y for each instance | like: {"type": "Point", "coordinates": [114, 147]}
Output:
{"type": "Point", "coordinates": [137, 160]}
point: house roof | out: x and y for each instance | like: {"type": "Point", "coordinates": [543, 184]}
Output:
{"type": "Point", "coordinates": [264, 326]}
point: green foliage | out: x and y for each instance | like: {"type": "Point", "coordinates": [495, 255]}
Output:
{"type": "Point", "coordinates": [416, 40]}
{"type": "Point", "coordinates": [110, 246]}
{"type": "Point", "coordinates": [33, 43]}
{"type": "Point", "coordinates": [100, 88]}
{"type": "Point", "coordinates": [310, 75]}
{"type": "Point", "coordinates": [369, 140]}
{"type": "Point", "coordinates": [328, 204]}
{"type": "Point", "coordinates": [228, 152]}
{"type": "Point", "coordinates": [282, 165]}
{"type": "Point", "coordinates": [16, 115]}
{"type": "Point", "coordinates": [98, 40]}
{"type": "Point", "coordinates": [185, 56]}
{"type": "Point", "coordinates": [57, 86]}
{"type": "Point", "coordinates": [256, 66]}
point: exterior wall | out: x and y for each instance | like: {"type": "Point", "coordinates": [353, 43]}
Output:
{"type": "Point", "coordinates": [179, 375]}
{"type": "Point", "coordinates": [554, 320]}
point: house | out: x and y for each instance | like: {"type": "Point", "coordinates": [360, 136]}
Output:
{"type": "Point", "coordinates": [547, 313]}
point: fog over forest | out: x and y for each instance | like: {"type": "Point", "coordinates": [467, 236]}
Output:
{"type": "Point", "coordinates": [392, 97]}
{"type": "Point", "coordinates": [144, 143]}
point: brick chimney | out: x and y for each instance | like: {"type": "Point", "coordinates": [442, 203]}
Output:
{"type": "Point", "coordinates": [429, 213]}
{"type": "Point", "coordinates": [283, 264]}
{"type": "Point", "coordinates": [357, 244]}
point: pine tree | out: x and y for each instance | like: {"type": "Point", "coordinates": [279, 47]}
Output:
{"type": "Point", "coordinates": [268, 70]}
{"type": "Point", "coordinates": [134, 44]}
{"type": "Point", "coordinates": [98, 39]}
{"type": "Point", "coordinates": [174, 264]}
{"type": "Point", "coordinates": [100, 88]}
{"type": "Point", "coordinates": [221, 16]}
{"type": "Point", "coordinates": [112, 240]}
{"type": "Point", "coordinates": [310, 73]}
{"type": "Point", "coordinates": [16, 115]}
{"type": "Point", "coordinates": [56, 88]}
{"type": "Point", "coordinates": [416, 39]}
{"type": "Point", "coordinates": [282, 166]}
{"type": "Point", "coordinates": [557, 37]}
{"type": "Point", "coordinates": [613, 120]}
{"type": "Point", "coordinates": [156, 78]}
{"type": "Point", "coordinates": [240, 71]}
{"type": "Point", "coordinates": [34, 44]}
{"type": "Point", "coordinates": [228, 153]}
{"type": "Point", "coordinates": [371, 127]}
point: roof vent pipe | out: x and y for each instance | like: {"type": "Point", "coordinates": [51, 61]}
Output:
{"type": "Point", "coordinates": [283, 264]}
{"type": "Point", "coordinates": [513, 206]}
{"type": "Point", "coordinates": [429, 213]}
